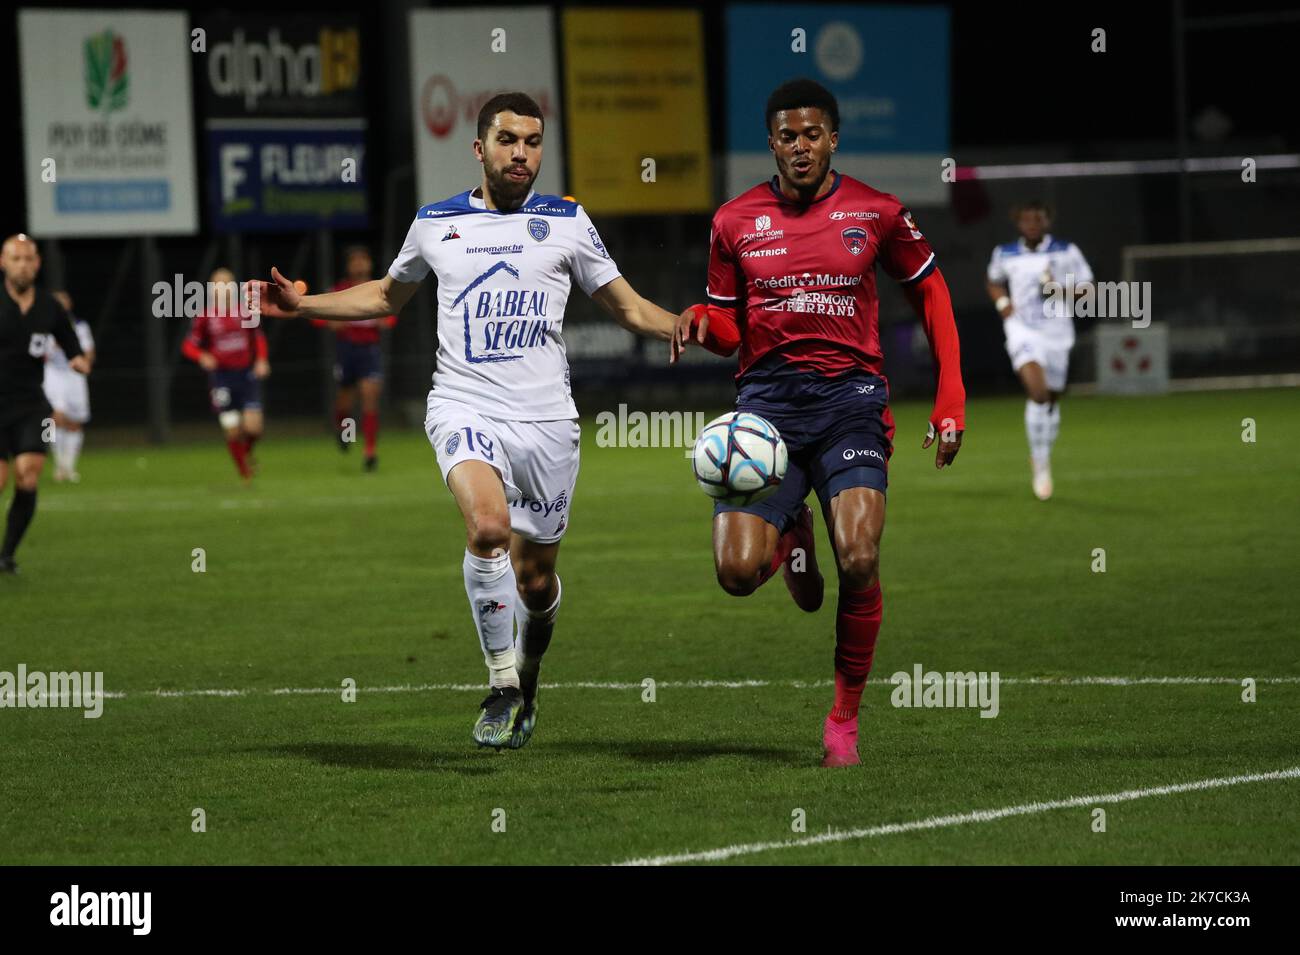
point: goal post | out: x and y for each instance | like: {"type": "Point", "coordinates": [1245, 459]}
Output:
{"type": "Point", "coordinates": [1230, 313]}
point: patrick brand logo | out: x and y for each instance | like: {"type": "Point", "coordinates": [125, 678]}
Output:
{"type": "Point", "coordinates": [107, 81]}
{"type": "Point", "coordinates": [930, 689]}
{"type": "Point", "coordinates": [39, 690]}
{"type": "Point", "coordinates": [134, 909]}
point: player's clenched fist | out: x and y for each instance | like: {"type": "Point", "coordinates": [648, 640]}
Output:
{"type": "Point", "coordinates": [278, 298]}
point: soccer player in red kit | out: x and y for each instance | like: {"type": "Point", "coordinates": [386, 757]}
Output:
{"type": "Point", "coordinates": [227, 342]}
{"type": "Point", "coordinates": [358, 363]}
{"type": "Point", "coordinates": [792, 285]}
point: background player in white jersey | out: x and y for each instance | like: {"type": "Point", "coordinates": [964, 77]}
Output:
{"type": "Point", "coordinates": [1038, 322]}
{"type": "Point", "coordinates": [69, 395]}
{"type": "Point", "coordinates": [500, 415]}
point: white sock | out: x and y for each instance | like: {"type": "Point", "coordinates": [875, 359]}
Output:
{"type": "Point", "coordinates": [1036, 428]}
{"type": "Point", "coordinates": [490, 586]}
{"type": "Point", "coordinates": [70, 444]}
{"type": "Point", "coordinates": [1053, 424]}
{"type": "Point", "coordinates": [534, 629]}
{"type": "Point", "coordinates": [60, 450]}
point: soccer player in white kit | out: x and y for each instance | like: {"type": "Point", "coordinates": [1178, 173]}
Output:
{"type": "Point", "coordinates": [500, 414]}
{"type": "Point", "coordinates": [1032, 283]}
{"type": "Point", "coordinates": [69, 395]}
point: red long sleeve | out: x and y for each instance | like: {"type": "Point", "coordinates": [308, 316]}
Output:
{"type": "Point", "coordinates": [722, 337]}
{"type": "Point", "coordinates": [933, 304]}
{"type": "Point", "coordinates": [191, 350]}
{"type": "Point", "coordinates": [259, 342]}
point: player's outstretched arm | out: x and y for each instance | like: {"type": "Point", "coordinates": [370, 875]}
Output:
{"type": "Point", "coordinates": [633, 312]}
{"type": "Point", "coordinates": [932, 303]}
{"type": "Point", "coordinates": [279, 299]}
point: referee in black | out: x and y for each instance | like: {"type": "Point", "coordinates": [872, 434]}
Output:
{"type": "Point", "coordinates": [28, 318]}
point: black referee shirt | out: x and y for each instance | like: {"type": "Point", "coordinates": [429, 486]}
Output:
{"type": "Point", "coordinates": [22, 347]}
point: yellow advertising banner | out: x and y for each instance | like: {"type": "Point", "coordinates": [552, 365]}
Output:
{"type": "Point", "coordinates": [637, 110]}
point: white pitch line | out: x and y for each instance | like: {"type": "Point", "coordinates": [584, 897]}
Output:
{"type": "Point", "coordinates": [697, 685]}
{"type": "Point", "coordinates": [965, 818]}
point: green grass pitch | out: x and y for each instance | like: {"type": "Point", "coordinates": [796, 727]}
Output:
{"type": "Point", "coordinates": [321, 573]}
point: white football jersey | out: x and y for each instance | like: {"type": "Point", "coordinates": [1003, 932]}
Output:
{"type": "Point", "coordinates": [503, 281]}
{"type": "Point", "coordinates": [1024, 271]}
{"type": "Point", "coordinates": [55, 360]}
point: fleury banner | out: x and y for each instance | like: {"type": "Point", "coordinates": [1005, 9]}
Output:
{"type": "Point", "coordinates": [459, 60]}
{"type": "Point", "coordinates": [107, 124]}
{"type": "Point", "coordinates": [281, 176]}
{"type": "Point", "coordinates": [637, 110]}
{"type": "Point", "coordinates": [283, 125]}
{"type": "Point", "coordinates": [888, 69]}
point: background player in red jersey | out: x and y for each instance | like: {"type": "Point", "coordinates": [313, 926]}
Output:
{"type": "Point", "coordinates": [358, 364]}
{"type": "Point", "coordinates": [792, 284]}
{"type": "Point", "coordinates": [227, 343]}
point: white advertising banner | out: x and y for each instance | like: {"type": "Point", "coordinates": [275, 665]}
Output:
{"type": "Point", "coordinates": [107, 123]}
{"type": "Point", "coordinates": [459, 60]}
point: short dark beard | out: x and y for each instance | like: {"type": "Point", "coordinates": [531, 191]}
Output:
{"type": "Point", "coordinates": [507, 195]}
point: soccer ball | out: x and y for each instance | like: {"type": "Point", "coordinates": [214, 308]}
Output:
{"type": "Point", "coordinates": [739, 458]}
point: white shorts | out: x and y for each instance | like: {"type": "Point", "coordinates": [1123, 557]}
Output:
{"type": "Point", "coordinates": [68, 394]}
{"type": "Point", "coordinates": [537, 461]}
{"type": "Point", "coordinates": [1025, 344]}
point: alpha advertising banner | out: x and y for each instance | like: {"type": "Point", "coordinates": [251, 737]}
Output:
{"type": "Point", "coordinates": [888, 68]}
{"type": "Point", "coordinates": [637, 110]}
{"type": "Point", "coordinates": [459, 60]}
{"type": "Point", "coordinates": [107, 126]}
{"type": "Point", "coordinates": [283, 122]}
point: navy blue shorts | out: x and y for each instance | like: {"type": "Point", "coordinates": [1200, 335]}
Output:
{"type": "Point", "coordinates": [839, 433]}
{"type": "Point", "coordinates": [234, 389]}
{"type": "Point", "coordinates": [352, 363]}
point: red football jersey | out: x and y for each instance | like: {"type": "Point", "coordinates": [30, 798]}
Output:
{"type": "Point", "coordinates": [224, 336]}
{"type": "Point", "coordinates": [802, 277]}
{"type": "Point", "coordinates": [363, 332]}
